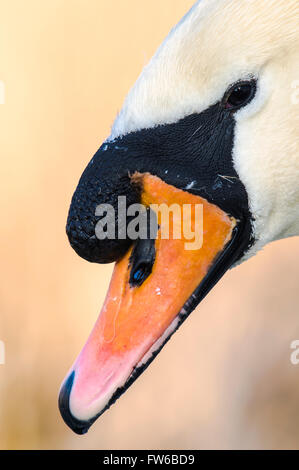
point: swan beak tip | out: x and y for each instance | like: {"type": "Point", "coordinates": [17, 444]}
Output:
{"type": "Point", "coordinates": [79, 427]}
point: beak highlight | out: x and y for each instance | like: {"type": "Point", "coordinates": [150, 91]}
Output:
{"type": "Point", "coordinates": [147, 300]}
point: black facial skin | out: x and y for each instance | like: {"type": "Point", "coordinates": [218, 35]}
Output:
{"type": "Point", "coordinates": [195, 151]}
{"type": "Point", "coordinates": [195, 155]}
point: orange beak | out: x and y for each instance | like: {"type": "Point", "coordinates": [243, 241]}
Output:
{"type": "Point", "coordinates": [143, 308]}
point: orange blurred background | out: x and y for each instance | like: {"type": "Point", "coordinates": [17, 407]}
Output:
{"type": "Point", "coordinates": [225, 380]}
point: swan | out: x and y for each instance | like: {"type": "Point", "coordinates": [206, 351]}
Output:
{"type": "Point", "coordinates": [211, 122]}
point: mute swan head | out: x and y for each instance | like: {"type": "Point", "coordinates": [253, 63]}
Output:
{"type": "Point", "coordinates": [211, 121]}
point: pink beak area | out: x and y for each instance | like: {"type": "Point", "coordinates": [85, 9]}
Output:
{"type": "Point", "coordinates": [136, 321]}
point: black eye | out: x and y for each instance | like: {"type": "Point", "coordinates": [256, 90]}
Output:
{"type": "Point", "coordinates": [239, 95]}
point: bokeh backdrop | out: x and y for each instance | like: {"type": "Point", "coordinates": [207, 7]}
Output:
{"type": "Point", "coordinates": [225, 380]}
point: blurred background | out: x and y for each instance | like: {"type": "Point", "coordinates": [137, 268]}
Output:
{"type": "Point", "coordinates": [225, 380]}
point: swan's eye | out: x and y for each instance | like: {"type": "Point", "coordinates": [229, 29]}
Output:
{"type": "Point", "coordinates": [239, 95]}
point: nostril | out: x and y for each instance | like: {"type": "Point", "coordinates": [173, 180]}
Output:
{"type": "Point", "coordinates": [142, 261]}
{"type": "Point", "coordinates": [140, 274]}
